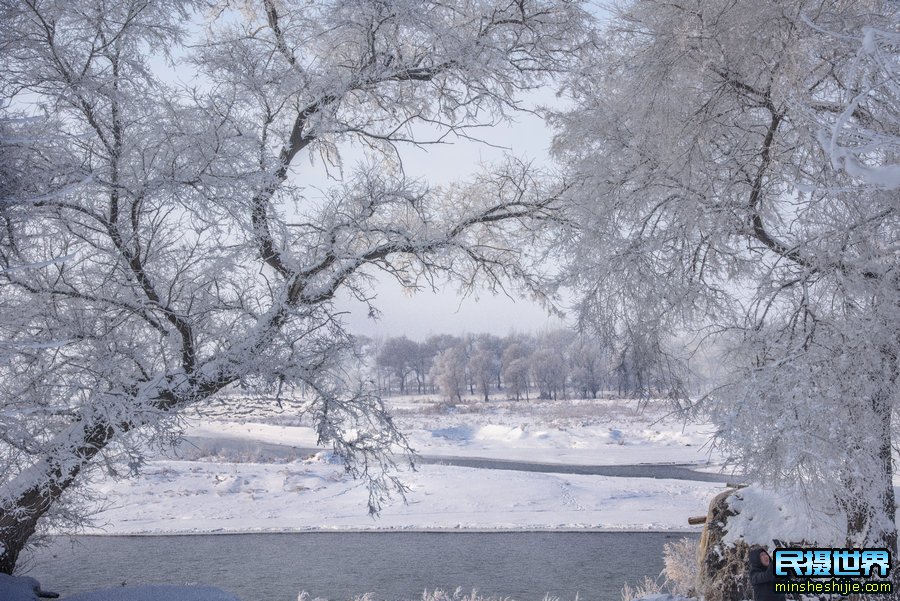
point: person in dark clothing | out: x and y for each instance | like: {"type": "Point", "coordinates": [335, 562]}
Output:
{"type": "Point", "coordinates": [762, 576]}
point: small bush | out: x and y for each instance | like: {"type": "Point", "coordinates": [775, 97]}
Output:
{"type": "Point", "coordinates": [681, 568]}
{"type": "Point", "coordinates": [679, 576]}
{"type": "Point", "coordinates": [644, 589]}
{"type": "Point", "coordinates": [457, 595]}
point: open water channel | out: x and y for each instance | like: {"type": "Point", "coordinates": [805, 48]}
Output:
{"type": "Point", "coordinates": [524, 566]}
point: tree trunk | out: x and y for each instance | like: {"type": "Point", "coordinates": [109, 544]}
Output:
{"type": "Point", "coordinates": [19, 520]}
{"type": "Point", "coordinates": [870, 502]}
{"type": "Point", "coordinates": [56, 472]}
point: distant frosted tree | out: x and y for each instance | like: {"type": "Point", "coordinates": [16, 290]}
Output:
{"type": "Point", "coordinates": [588, 365]}
{"type": "Point", "coordinates": [738, 163]}
{"type": "Point", "coordinates": [170, 251]}
{"type": "Point", "coordinates": [422, 365]}
{"type": "Point", "coordinates": [517, 366]}
{"type": "Point", "coordinates": [485, 363]}
{"type": "Point", "coordinates": [493, 346]}
{"type": "Point", "coordinates": [548, 370]}
{"type": "Point", "coordinates": [399, 357]}
{"type": "Point", "coordinates": [431, 348]}
{"type": "Point", "coordinates": [449, 371]}
{"type": "Point", "coordinates": [481, 371]}
{"type": "Point", "coordinates": [645, 366]}
{"type": "Point", "coordinates": [549, 367]}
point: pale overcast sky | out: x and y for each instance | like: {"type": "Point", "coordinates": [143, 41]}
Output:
{"type": "Point", "coordinates": [445, 313]}
{"type": "Point", "coordinates": [426, 312]}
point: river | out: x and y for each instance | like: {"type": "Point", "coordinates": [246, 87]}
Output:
{"type": "Point", "coordinates": [524, 566]}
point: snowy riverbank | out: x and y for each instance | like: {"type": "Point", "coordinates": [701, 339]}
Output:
{"type": "Point", "coordinates": [256, 490]}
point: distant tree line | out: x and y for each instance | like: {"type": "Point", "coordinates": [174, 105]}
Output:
{"type": "Point", "coordinates": [554, 364]}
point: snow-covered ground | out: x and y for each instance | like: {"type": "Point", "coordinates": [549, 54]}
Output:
{"type": "Point", "coordinates": [233, 492]}
{"type": "Point", "coordinates": [573, 432]}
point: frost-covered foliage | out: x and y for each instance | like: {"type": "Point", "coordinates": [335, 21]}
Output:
{"type": "Point", "coordinates": [738, 162]}
{"type": "Point", "coordinates": [157, 246]}
{"type": "Point", "coordinates": [681, 566]}
{"type": "Point", "coordinates": [449, 372]}
{"type": "Point", "coordinates": [862, 138]}
{"type": "Point", "coordinates": [678, 580]}
{"type": "Point", "coordinates": [649, 588]}
{"type": "Point", "coordinates": [459, 595]}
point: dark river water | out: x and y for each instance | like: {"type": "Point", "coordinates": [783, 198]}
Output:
{"type": "Point", "coordinates": [524, 566]}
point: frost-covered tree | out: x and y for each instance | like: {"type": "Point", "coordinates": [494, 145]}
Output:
{"type": "Point", "coordinates": [739, 163]}
{"type": "Point", "coordinates": [480, 370]}
{"type": "Point", "coordinates": [516, 365]}
{"type": "Point", "coordinates": [485, 363]}
{"type": "Point", "coordinates": [173, 252]}
{"type": "Point", "coordinates": [421, 365]}
{"type": "Point", "coordinates": [493, 346]}
{"type": "Point", "coordinates": [399, 357]}
{"type": "Point", "coordinates": [548, 371]}
{"type": "Point", "coordinates": [431, 348]}
{"type": "Point", "coordinates": [549, 367]}
{"type": "Point", "coordinates": [645, 366]}
{"type": "Point", "coordinates": [449, 371]}
{"type": "Point", "coordinates": [587, 365]}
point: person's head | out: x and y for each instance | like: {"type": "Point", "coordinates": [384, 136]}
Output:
{"type": "Point", "coordinates": [759, 557]}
